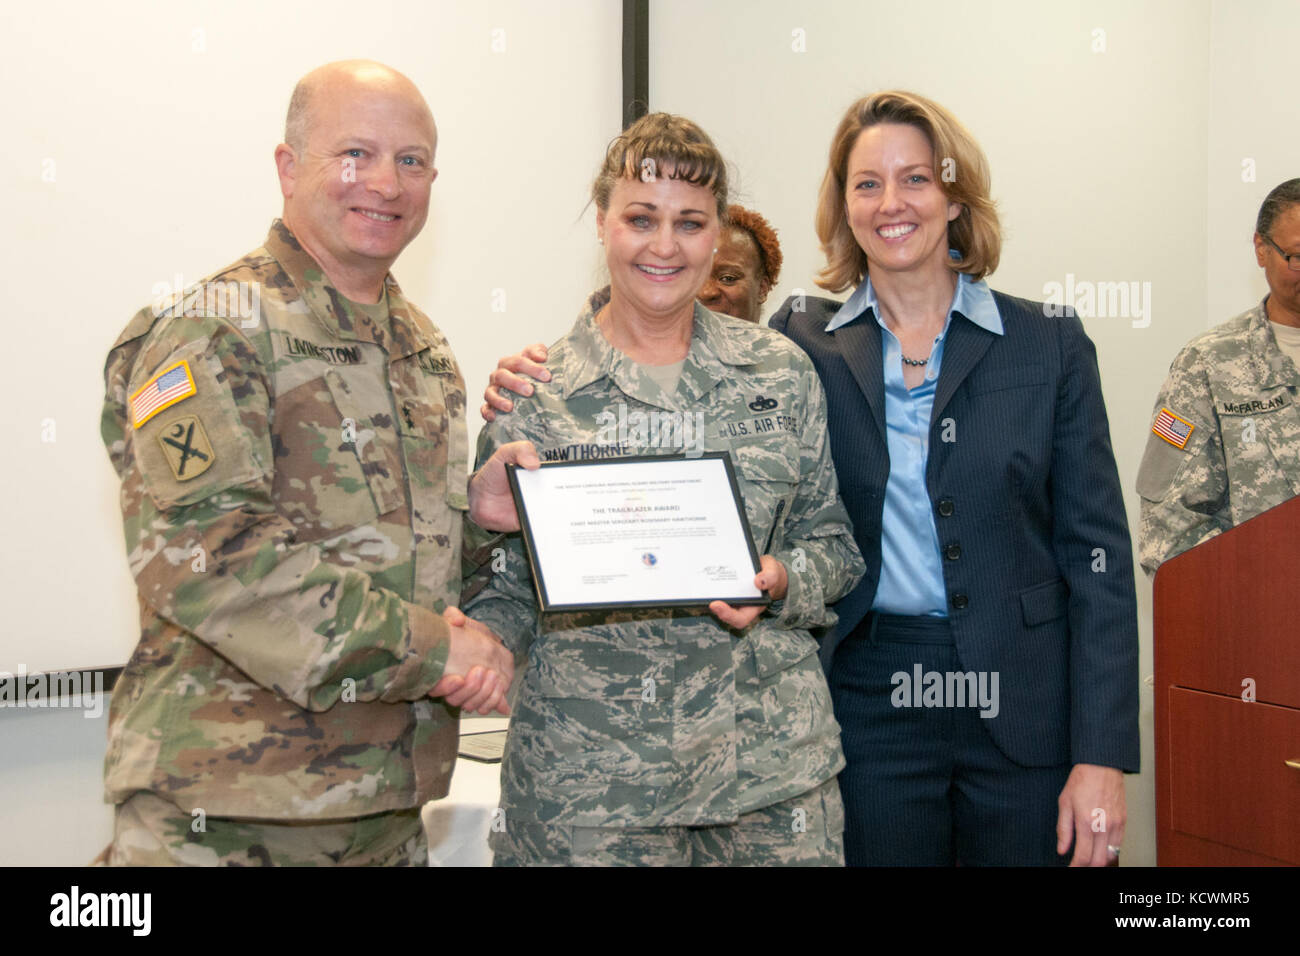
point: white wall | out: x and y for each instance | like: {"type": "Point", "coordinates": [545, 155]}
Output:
{"type": "Point", "coordinates": [1115, 165]}
{"type": "Point", "coordinates": [51, 786]}
{"type": "Point", "coordinates": [1253, 138]}
{"type": "Point", "coordinates": [1111, 164]}
{"type": "Point", "coordinates": [160, 120]}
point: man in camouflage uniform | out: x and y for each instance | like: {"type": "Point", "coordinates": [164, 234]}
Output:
{"type": "Point", "coordinates": [661, 736]}
{"type": "Point", "coordinates": [291, 441]}
{"type": "Point", "coordinates": [1225, 442]}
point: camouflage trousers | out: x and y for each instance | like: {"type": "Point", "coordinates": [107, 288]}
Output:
{"type": "Point", "coordinates": [807, 830]}
{"type": "Point", "coordinates": [150, 831]}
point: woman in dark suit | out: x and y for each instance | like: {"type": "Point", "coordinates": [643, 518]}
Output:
{"type": "Point", "coordinates": [984, 671]}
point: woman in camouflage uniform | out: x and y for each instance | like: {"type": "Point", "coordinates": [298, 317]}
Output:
{"type": "Point", "coordinates": [676, 736]}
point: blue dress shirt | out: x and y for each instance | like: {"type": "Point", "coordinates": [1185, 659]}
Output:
{"type": "Point", "coordinates": [911, 572]}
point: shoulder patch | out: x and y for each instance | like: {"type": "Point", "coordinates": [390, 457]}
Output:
{"type": "Point", "coordinates": [186, 447]}
{"type": "Point", "coordinates": [1173, 428]}
{"type": "Point", "coordinates": [173, 384]}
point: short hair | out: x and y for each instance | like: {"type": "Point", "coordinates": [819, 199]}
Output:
{"type": "Point", "coordinates": [764, 236]}
{"type": "Point", "coordinates": [975, 233]}
{"type": "Point", "coordinates": [660, 141]}
{"type": "Point", "coordinates": [1282, 198]}
{"type": "Point", "coordinates": [297, 122]}
{"type": "Point", "coordinates": [298, 119]}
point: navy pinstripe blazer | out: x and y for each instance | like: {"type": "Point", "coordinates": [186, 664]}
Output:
{"type": "Point", "coordinates": [1037, 562]}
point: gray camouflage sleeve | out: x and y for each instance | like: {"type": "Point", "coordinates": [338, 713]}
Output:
{"type": "Point", "coordinates": [506, 602]}
{"type": "Point", "coordinates": [821, 559]}
{"type": "Point", "coordinates": [1183, 490]}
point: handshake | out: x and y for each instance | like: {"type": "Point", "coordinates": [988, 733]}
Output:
{"type": "Point", "coordinates": [479, 667]}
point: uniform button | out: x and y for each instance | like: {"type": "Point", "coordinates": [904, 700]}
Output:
{"type": "Point", "coordinates": [946, 508]}
{"type": "Point", "coordinates": [952, 552]}
{"type": "Point", "coordinates": [960, 601]}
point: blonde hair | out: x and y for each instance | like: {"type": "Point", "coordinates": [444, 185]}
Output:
{"type": "Point", "coordinates": [975, 233]}
{"type": "Point", "coordinates": [660, 141]}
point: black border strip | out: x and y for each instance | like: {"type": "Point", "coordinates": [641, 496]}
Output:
{"type": "Point", "coordinates": [636, 60]}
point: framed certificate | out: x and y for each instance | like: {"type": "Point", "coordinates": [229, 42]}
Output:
{"type": "Point", "coordinates": [649, 531]}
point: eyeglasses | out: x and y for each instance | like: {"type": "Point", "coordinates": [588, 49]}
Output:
{"type": "Point", "coordinates": [1292, 260]}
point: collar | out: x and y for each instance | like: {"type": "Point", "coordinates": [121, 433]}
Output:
{"type": "Point", "coordinates": [718, 344]}
{"type": "Point", "coordinates": [973, 300]}
{"type": "Point", "coordinates": [1275, 366]}
{"type": "Point", "coordinates": [334, 312]}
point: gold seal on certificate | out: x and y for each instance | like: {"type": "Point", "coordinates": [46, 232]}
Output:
{"type": "Point", "coordinates": [659, 531]}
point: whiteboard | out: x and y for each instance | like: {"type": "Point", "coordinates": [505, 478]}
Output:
{"type": "Point", "coordinates": [145, 134]}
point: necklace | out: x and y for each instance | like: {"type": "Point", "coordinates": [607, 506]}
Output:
{"type": "Point", "coordinates": [917, 362]}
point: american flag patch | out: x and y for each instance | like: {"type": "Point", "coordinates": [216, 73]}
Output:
{"type": "Point", "coordinates": [171, 385]}
{"type": "Point", "coordinates": [1173, 429]}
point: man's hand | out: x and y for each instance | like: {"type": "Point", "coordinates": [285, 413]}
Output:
{"type": "Point", "coordinates": [772, 578]}
{"type": "Point", "coordinates": [491, 505]}
{"type": "Point", "coordinates": [507, 375]}
{"type": "Point", "coordinates": [1090, 789]}
{"type": "Point", "coordinates": [479, 667]}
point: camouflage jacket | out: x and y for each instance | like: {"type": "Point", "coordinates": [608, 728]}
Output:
{"type": "Point", "coordinates": [1230, 402]}
{"type": "Point", "coordinates": [659, 718]}
{"type": "Point", "coordinates": [293, 486]}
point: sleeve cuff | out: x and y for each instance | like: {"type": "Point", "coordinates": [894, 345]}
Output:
{"type": "Point", "coordinates": [478, 543]}
{"type": "Point", "coordinates": [503, 619]}
{"type": "Point", "coordinates": [427, 645]}
{"type": "Point", "coordinates": [803, 605]}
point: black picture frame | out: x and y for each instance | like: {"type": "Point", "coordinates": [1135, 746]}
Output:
{"type": "Point", "coordinates": [530, 544]}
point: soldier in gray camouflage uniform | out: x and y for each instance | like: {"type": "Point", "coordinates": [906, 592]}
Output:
{"type": "Point", "coordinates": [291, 443]}
{"type": "Point", "coordinates": [663, 736]}
{"type": "Point", "coordinates": [1225, 441]}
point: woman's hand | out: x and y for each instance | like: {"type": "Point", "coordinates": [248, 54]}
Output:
{"type": "Point", "coordinates": [507, 376]}
{"type": "Point", "coordinates": [772, 579]}
{"type": "Point", "coordinates": [479, 668]}
{"type": "Point", "coordinates": [491, 505]}
{"type": "Point", "coordinates": [1091, 815]}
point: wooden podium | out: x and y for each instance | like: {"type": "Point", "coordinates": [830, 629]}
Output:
{"type": "Point", "coordinates": [1227, 619]}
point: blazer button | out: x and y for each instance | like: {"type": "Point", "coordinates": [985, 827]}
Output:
{"type": "Point", "coordinates": [945, 508]}
{"type": "Point", "coordinates": [952, 552]}
{"type": "Point", "coordinates": [960, 601]}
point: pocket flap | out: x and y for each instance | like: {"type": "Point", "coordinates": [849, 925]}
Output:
{"type": "Point", "coordinates": [766, 461]}
{"type": "Point", "coordinates": [575, 668]}
{"type": "Point", "coordinates": [1018, 377]}
{"type": "Point", "coordinates": [359, 398]}
{"type": "Point", "coordinates": [778, 650]}
{"type": "Point", "coordinates": [1045, 602]}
